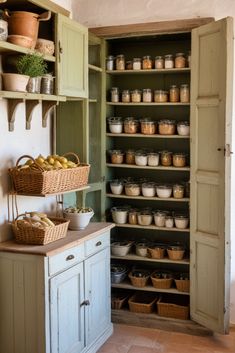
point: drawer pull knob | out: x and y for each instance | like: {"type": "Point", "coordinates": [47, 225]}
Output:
{"type": "Point", "coordinates": [86, 302]}
{"type": "Point", "coordinates": [70, 257]}
{"type": "Point", "coordinates": [98, 243]}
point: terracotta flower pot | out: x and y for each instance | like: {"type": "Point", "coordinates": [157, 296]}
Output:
{"type": "Point", "coordinates": [15, 82]}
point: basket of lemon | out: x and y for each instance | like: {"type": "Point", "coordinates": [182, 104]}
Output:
{"type": "Point", "coordinates": [50, 175]}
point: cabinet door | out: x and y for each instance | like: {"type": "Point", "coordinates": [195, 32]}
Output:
{"type": "Point", "coordinates": [211, 108]}
{"type": "Point", "coordinates": [66, 314]}
{"type": "Point", "coordinates": [97, 291]}
{"type": "Point", "coordinates": [72, 58]}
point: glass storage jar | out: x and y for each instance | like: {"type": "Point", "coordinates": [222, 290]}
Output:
{"type": "Point", "coordinates": [181, 222]}
{"type": "Point", "coordinates": [166, 158]}
{"type": "Point", "coordinates": [184, 93]}
{"type": "Point", "coordinates": [141, 158]}
{"type": "Point", "coordinates": [110, 63]}
{"type": "Point", "coordinates": [148, 189]}
{"type": "Point", "coordinates": [147, 62]}
{"type": "Point", "coordinates": [120, 62]}
{"type": "Point", "coordinates": [126, 97]}
{"type": "Point", "coordinates": [132, 189]}
{"type": "Point", "coordinates": [137, 64]}
{"type": "Point", "coordinates": [164, 191]}
{"type": "Point", "coordinates": [169, 61]}
{"type": "Point", "coordinates": [132, 216]}
{"type": "Point", "coordinates": [47, 84]}
{"type": "Point", "coordinates": [169, 222]}
{"type": "Point", "coordinates": [129, 65]}
{"type": "Point", "coordinates": [166, 127]}
{"type": "Point", "coordinates": [153, 159]}
{"type": "Point", "coordinates": [136, 96]}
{"type": "Point", "coordinates": [115, 125]}
{"type": "Point", "coordinates": [160, 96]}
{"type": "Point", "coordinates": [179, 160]}
{"type": "Point", "coordinates": [148, 127]}
{"type": "Point", "coordinates": [130, 157]}
{"type": "Point", "coordinates": [131, 126]}
{"type": "Point", "coordinates": [145, 218]}
{"type": "Point", "coordinates": [180, 60]}
{"type": "Point", "coordinates": [174, 94]}
{"type": "Point", "coordinates": [159, 218]}
{"type": "Point", "coordinates": [119, 215]}
{"type": "Point", "coordinates": [178, 191]}
{"type": "Point", "coordinates": [183, 128]}
{"type": "Point", "coordinates": [114, 95]}
{"type": "Point", "coordinates": [147, 95]}
{"type": "Point", "coordinates": [117, 156]}
{"type": "Point", "coordinates": [159, 62]}
{"type": "Point", "coordinates": [116, 186]}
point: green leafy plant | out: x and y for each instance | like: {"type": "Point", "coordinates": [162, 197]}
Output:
{"type": "Point", "coordinates": [32, 65]}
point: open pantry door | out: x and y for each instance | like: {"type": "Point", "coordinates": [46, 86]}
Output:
{"type": "Point", "coordinates": [211, 115]}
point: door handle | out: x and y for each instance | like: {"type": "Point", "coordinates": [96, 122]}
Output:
{"type": "Point", "coordinates": [70, 257]}
{"type": "Point", "coordinates": [85, 302]}
{"type": "Point", "coordinates": [98, 243]}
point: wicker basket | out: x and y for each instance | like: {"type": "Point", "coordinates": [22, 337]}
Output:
{"type": "Point", "coordinates": [119, 300]}
{"type": "Point", "coordinates": [161, 283]}
{"type": "Point", "coordinates": [182, 285]}
{"type": "Point", "coordinates": [175, 308]}
{"type": "Point", "coordinates": [175, 254]}
{"type": "Point", "coordinates": [37, 236]}
{"type": "Point", "coordinates": [156, 253]}
{"type": "Point", "coordinates": [142, 302]}
{"type": "Point", "coordinates": [138, 281]}
{"type": "Point", "coordinates": [41, 182]}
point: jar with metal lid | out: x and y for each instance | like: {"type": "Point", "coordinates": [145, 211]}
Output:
{"type": "Point", "coordinates": [159, 62]}
{"type": "Point", "coordinates": [136, 96]}
{"type": "Point", "coordinates": [137, 64]}
{"type": "Point", "coordinates": [131, 126]}
{"type": "Point", "coordinates": [148, 189]}
{"type": "Point", "coordinates": [160, 96]}
{"type": "Point", "coordinates": [159, 218]}
{"type": "Point", "coordinates": [132, 216]}
{"type": "Point", "coordinates": [147, 62]}
{"type": "Point", "coordinates": [145, 218]}
{"type": "Point", "coordinates": [120, 62]}
{"type": "Point", "coordinates": [166, 158]}
{"type": "Point", "coordinates": [126, 97]}
{"type": "Point", "coordinates": [110, 63]}
{"type": "Point", "coordinates": [184, 93]}
{"type": "Point", "coordinates": [141, 158]}
{"type": "Point", "coordinates": [181, 222]}
{"type": "Point", "coordinates": [117, 156]}
{"type": "Point", "coordinates": [174, 94]}
{"type": "Point", "coordinates": [116, 186]}
{"type": "Point", "coordinates": [114, 94]}
{"type": "Point", "coordinates": [147, 95]}
{"type": "Point", "coordinates": [115, 125]}
{"type": "Point", "coordinates": [178, 191]}
{"type": "Point", "coordinates": [141, 249]}
{"type": "Point", "coordinates": [179, 160]}
{"type": "Point", "coordinates": [166, 127]}
{"type": "Point", "coordinates": [130, 157]}
{"type": "Point", "coordinates": [183, 128]}
{"type": "Point", "coordinates": [169, 61]}
{"type": "Point", "coordinates": [129, 65]}
{"type": "Point", "coordinates": [169, 222]}
{"type": "Point", "coordinates": [148, 127]}
{"type": "Point", "coordinates": [189, 59]}
{"type": "Point", "coordinates": [180, 60]}
{"type": "Point", "coordinates": [153, 159]}
{"type": "Point", "coordinates": [132, 189]}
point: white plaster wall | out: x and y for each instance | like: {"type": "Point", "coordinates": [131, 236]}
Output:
{"type": "Point", "coordinates": [93, 13]}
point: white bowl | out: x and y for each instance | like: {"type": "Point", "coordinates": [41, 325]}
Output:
{"type": "Point", "coordinates": [78, 221]}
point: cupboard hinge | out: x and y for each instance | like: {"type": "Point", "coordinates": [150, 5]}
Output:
{"type": "Point", "coordinates": [227, 150]}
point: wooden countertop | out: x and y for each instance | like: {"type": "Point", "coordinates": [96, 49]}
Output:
{"type": "Point", "coordinates": [72, 239]}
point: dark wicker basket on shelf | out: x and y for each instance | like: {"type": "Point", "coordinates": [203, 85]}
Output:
{"type": "Point", "coordinates": [142, 302]}
{"type": "Point", "coordinates": [174, 308]}
{"type": "Point", "coordinates": [183, 285]}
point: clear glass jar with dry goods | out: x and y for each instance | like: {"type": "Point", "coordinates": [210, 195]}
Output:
{"type": "Point", "coordinates": [180, 60]}
{"type": "Point", "coordinates": [119, 215]}
{"type": "Point", "coordinates": [130, 157]}
{"type": "Point", "coordinates": [169, 222]}
{"type": "Point", "coordinates": [178, 191]}
{"type": "Point", "coordinates": [169, 61]}
{"type": "Point", "coordinates": [126, 97]}
{"type": "Point", "coordinates": [166, 158]}
{"type": "Point", "coordinates": [147, 62]}
{"type": "Point", "coordinates": [114, 94]}
{"type": "Point", "coordinates": [166, 127]}
{"type": "Point", "coordinates": [117, 156]}
{"type": "Point", "coordinates": [184, 93]}
{"type": "Point", "coordinates": [110, 63]}
{"type": "Point", "coordinates": [141, 158]}
{"type": "Point", "coordinates": [145, 218]}
{"type": "Point", "coordinates": [159, 62]}
{"type": "Point", "coordinates": [181, 222]}
{"type": "Point", "coordinates": [148, 189]}
{"type": "Point", "coordinates": [174, 95]}
{"type": "Point", "coordinates": [159, 218]}
{"type": "Point", "coordinates": [153, 159]}
{"type": "Point", "coordinates": [179, 160]}
{"type": "Point", "coordinates": [120, 62]}
{"type": "Point", "coordinates": [183, 128]}
{"type": "Point", "coordinates": [160, 96]}
{"type": "Point", "coordinates": [115, 125]}
{"type": "Point", "coordinates": [136, 96]}
{"type": "Point", "coordinates": [116, 186]}
{"type": "Point", "coordinates": [147, 127]}
{"type": "Point", "coordinates": [132, 216]}
{"type": "Point", "coordinates": [164, 191]}
{"type": "Point", "coordinates": [137, 64]}
{"type": "Point", "coordinates": [141, 249]}
{"type": "Point", "coordinates": [132, 189]}
{"type": "Point", "coordinates": [131, 125]}
{"type": "Point", "coordinates": [129, 65]}
{"type": "Point", "coordinates": [147, 95]}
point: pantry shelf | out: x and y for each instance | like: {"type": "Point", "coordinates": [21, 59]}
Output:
{"type": "Point", "coordinates": [149, 104]}
{"type": "Point", "coordinates": [31, 96]}
{"type": "Point", "coordinates": [133, 257]}
{"type": "Point", "coordinates": [169, 199]}
{"type": "Point", "coordinates": [153, 227]}
{"type": "Point", "coordinates": [52, 194]}
{"type": "Point", "coordinates": [94, 68]}
{"type": "Point", "coordinates": [149, 71]}
{"type": "Point", "coordinates": [131, 166]}
{"type": "Point", "coordinates": [148, 136]}
{"type": "Point", "coordinates": [127, 285]}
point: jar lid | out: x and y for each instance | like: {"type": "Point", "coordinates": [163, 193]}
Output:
{"type": "Point", "coordinates": [183, 123]}
{"type": "Point", "coordinates": [184, 85]}
{"type": "Point", "coordinates": [122, 209]}
{"type": "Point", "coordinates": [148, 185]}
{"type": "Point", "coordinates": [126, 91]}
{"type": "Point", "coordinates": [160, 91]}
{"type": "Point", "coordinates": [156, 154]}
{"type": "Point", "coordinates": [180, 154]}
{"type": "Point", "coordinates": [145, 213]}
{"type": "Point", "coordinates": [147, 90]}
{"type": "Point", "coordinates": [120, 56]}
{"type": "Point", "coordinates": [132, 185]}
{"type": "Point", "coordinates": [119, 152]}
{"type": "Point", "coordinates": [160, 213]}
{"type": "Point", "coordinates": [130, 151]}
{"type": "Point", "coordinates": [146, 121]}
{"type": "Point", "coordinates": [175, 247]}
{"type": "Point", "coordinates": [173, 86]}
{"type": "Point", "coordinates": [158, 57]}
{"type": "Point", "coordinates": [179, 54]}
{"type": "Point", "coordinates": [136, 59]}
{"type": "Point", "coordinates": [168, 56]}
{"type": "Point", "coordinates": [165, 152]}
{"type": "Point", "coordinates": [140, 153]}
{"type": "Point", "coordinates": [136, 91]}
{"type": "Point", "coordinates": [110, 57]}
{"type": "Point", "coordinates": [115, 120]}
{"type": "Point", "coordinates": [116, 182]}
{"type": "Point", "coordinates": [147, 57]}
{"type": "Point", "coordinates": [164, 187]}
{"type": "Point", "coordinates": [166, 121]}
{"type": "Point", "coordinates": [114, 88]}
{"type": "Point", "coordinates": [178, 186]}
{"type": "Point", "coordinates": [181, 217]}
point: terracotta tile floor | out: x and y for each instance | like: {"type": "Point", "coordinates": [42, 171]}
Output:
{"type": "Point", "coordinates": [131, 339]}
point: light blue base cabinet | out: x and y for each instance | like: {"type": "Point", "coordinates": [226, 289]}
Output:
{"type": "Point", "coordinates": [58, 303]}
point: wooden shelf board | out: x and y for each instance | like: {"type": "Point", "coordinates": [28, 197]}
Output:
{"type": "Point", "coordinates": [133, 257]}
{"type": "Point", "coordinates": [148, 136]}
{"type": "Point", "coordinates": [169, 199]}
{"type": "Point", "coordinates": [131, 166]}
{"type": "Point", "coordinates": [52, 194]}
{"type": "Point", "coordinates": [6, 47]}
{"type": "Point", "coordinates": [148, 104]}
{"type": "Point", "coordinates": [94, 68]}
{"type": "Point", "coordinates": [30, 96]}
{"type": "Point", "coordinates": [152, 71]}
{"type": "Point", "coordinates": [153, 227]}
{"type": "Point", "coordinates": [127, 285]}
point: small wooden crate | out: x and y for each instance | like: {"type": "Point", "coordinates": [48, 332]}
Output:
{"type": "Point", "coordinates": [177, 308]}
{"type": "Point", "coordinates": [183, 285]}
{"type": "Point", "coordinates": [142, 302]}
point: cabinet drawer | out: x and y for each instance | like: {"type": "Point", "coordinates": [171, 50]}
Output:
{"type": "Point", "coordinates": [96, 244]}
{"type": "Point", "coordinates": [65, 259]}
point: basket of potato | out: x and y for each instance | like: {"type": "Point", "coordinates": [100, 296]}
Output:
{"type": "Point", "coordinates": [36, 228]}
{"type": "Point", "coordinates": [48, 175]}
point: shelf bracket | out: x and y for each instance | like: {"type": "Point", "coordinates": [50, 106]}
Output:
{"type": "Point", "coordinates": [30, 105]}
{"type": "Point", "coordinates": [12, 105]}
{"type": "Point", "coordinates": [46, 107]}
